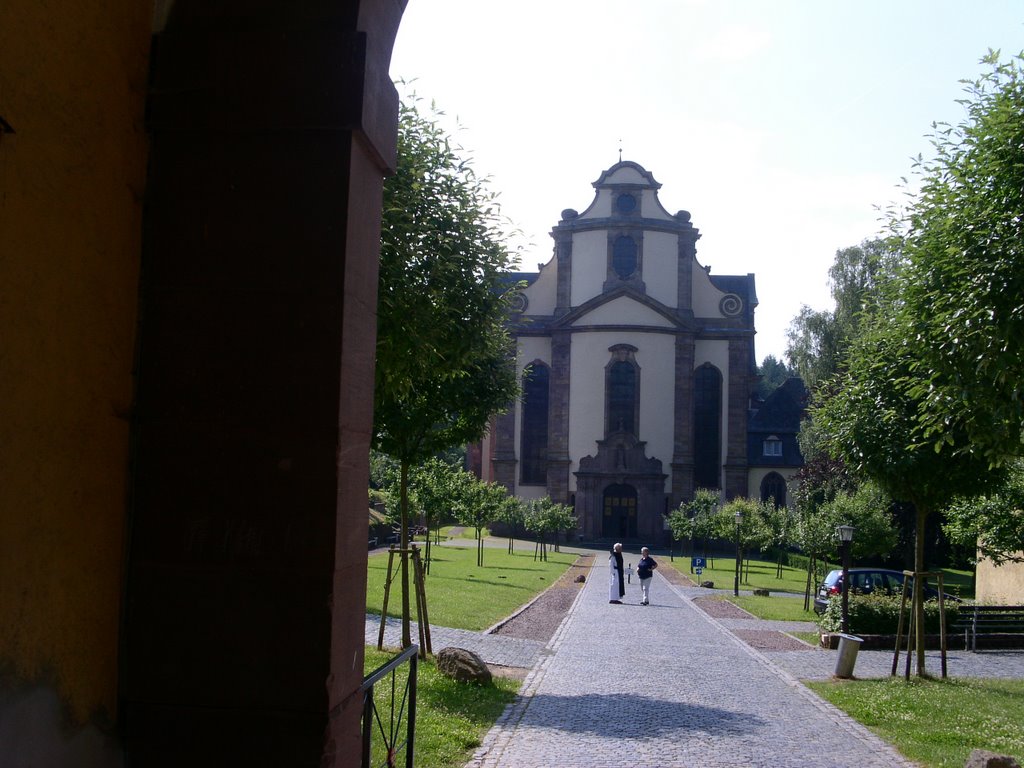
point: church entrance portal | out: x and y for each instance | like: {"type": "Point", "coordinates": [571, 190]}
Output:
{"type": "Point", "coordinates": [619, 512]}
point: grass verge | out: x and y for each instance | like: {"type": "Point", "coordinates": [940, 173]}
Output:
{"type": "Point", "coordinates": [461, 594]}
{"type": "Point", "coordinates": [759, 574]}
{"type": "Point", "coordinates": [451, 718]}
{"type": "Point", "coordinates": [936, 722]}
{"type": "Point", "coordinates": [774, 608]}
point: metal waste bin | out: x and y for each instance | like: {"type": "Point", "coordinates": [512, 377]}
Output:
{"type": "Point", "coordinates": [848, 647]}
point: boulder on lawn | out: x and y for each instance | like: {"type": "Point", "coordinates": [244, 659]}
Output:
{"type": "Point", "coordinates": [462, 665]}
{"type": "Point", "coordinates": [982, 758]}
{"type": "Point", "coordinates": [708, 584]}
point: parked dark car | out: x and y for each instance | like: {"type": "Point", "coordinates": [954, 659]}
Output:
{"type": "Point", "coordinates": [865, 581]}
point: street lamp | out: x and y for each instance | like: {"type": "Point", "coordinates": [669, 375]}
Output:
{"type": "Point", "coordinates": [845, 537]}
{"type": "Point", "coordinates": [739, 553]}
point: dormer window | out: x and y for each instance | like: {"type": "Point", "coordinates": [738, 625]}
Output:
{"type": "Point", "coordinates": [773, 446]}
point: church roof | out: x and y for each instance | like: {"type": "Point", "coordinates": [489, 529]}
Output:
{"type": "Point", "coordinates": [783, 408]}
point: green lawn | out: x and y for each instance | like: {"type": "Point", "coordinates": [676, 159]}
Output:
{"type": "Point", "coordinates": [760, 574]}
{"type": "Point", "coordinates": [936, 722]}
{"type": "Point", "coordinates": [462, 595]}
{"type": "Point", "coordinates": [776, 608]}
{"type": "Point", "coordinates": [451, 717]}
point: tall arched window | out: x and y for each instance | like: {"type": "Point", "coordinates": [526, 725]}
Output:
{"type": "Point", "coordinates": [534, 431]}
{"type": "Point", "coordinates": [773, 489]}
{"type": "Point", "coordinates": [622, 400]}
{"type": "Point", "coordinates": [707, 427]}
{"type": "Point", "coordinates": [624, 256]}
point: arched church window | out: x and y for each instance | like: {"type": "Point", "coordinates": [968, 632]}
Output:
{"type": "Point", "coordinates": [773, 489]}
{"type": "Point", "coordinates": [624, 253]}
{"type": "Point", "coordinates": [622, 397]}
{"type": "Point", "coordinates": [534, 431]}
{"type": "Point", "coordinates": [707, 427]}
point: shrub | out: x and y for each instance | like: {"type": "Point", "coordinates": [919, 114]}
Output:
{"type": "Point", "coordinates": [878, 614]}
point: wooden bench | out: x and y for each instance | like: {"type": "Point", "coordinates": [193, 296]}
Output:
{"type": "Point", "coordinates": [999, 626]}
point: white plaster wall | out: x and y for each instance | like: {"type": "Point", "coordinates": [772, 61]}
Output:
{"type": "Point", "coordinates": [661, 262]}
{"type": "Point", "coordinates": [627, 175]}
{"type": "Point", "coordinates": [705, 296]}
{"type": "Point", "coordinates": [757, 474]}
{"type": "Point", "coordinates": [529, 348]}
{"type": "Point", "coordinates": [717, 353]}
{"type": "Point", "coordinates": [588, 357]}
{"type": "Point", "coordinates": [542, 294]}
{"type": "Point", "coordinates": [1002, 585]}
{"type": "Point", "coordinates": [623, 311]}
{"type": "Point", "coordinates": [589, 265]}
{"type": "Point", "coordinates": [532, 348]}
{"type": "Point", "coordinates": [599, 208]}
{"type": "Point", "coordinates": [651, 206]}
{"type": "Point", "coordinates": [656, 357]}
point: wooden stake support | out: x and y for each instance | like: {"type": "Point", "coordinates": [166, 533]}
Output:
{"type": "Point", "coordinates": [419, 589]}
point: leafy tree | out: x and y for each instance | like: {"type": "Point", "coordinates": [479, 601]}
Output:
{"type": "Point", "coordinates": [819, 340]}
{"type": "Point", "coordinates": [444, 359]}
{"type": "Point", "coordinates": [513, 515]}
{"type": "Point", "coordinates": [750, 532]}
{"type": "Point", "coordinates": [772, 373]}
{"type": "Point", "coordinates": [815, 533]}
{"type": "Point", "coordinates": [871, 422]}
{"type": "Point", "coordinates": [478, 504]}
{"type": "Point", "coordinates": [433, 489]}
{"type": "Point", "coordinates": [868, 510]}
{"type": "Point", "coordinates": [694, 520]}
{"type": "Point", "coordinates": [994, 522]}
{"type": "Point", "coordinates": [963, 238]}
{"type": "Point", "coordinates": [543, 518]}
{"type": "Point", "coordinates": [781, 522]}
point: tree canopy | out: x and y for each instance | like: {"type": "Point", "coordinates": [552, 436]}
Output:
{"type": "Point", "coordinates": [819, 340]}
{"type": "Point", "coordinates": [444, 359]}
{"type": "Point", "coordinates": [962, 237]}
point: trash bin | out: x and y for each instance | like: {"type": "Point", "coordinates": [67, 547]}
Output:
{"type": "Point", "coordinates": [848, 647]}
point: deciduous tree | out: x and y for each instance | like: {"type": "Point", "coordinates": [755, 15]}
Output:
{"type": "Point", "coordinates": [962, 236]}
{"type": "Point", "coordinates": [444, 359]}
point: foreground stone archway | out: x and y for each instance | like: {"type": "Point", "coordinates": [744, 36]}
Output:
{"type": "Point", "coordinates": [228, 274]}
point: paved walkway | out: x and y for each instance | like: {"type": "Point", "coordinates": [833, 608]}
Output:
{"type": "Point", "coordinates": [668, 685]}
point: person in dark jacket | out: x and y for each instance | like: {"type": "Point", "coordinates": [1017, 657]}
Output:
{"type": "Point", "coordinates": [645, 572]}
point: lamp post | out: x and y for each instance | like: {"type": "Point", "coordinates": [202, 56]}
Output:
{"type": "Point", "coordinates": [845, 537]}
{"type": "Point", "coordinates": [739, 554]}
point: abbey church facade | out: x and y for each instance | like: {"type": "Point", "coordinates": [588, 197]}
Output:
{"type": "Point", "coordinates": [637, 368]}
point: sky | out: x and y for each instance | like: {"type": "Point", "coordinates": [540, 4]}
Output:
{"type": "Point", "coordinates": [783, 126]}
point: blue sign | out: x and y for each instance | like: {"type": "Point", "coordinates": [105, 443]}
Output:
{"type": "Point", "coordinates": [697, 562]}
{"type": "Point", "coordinates": [699, 571]}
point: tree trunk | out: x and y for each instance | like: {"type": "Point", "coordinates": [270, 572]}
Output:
{"type": "Point", "coordinates": [918, 603]}
{"type": "Point", "coordinates": [403, 542]}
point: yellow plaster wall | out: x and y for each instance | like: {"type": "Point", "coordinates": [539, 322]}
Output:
{"type": "Point", "coordinates": [1003, 584]}
{"type": "Point", "coordinates": [72, 86]}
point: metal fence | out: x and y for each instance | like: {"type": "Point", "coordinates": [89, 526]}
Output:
{"type": "Point", "coordinates": [391, 715]}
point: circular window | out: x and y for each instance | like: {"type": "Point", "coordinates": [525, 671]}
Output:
{"type": "Point", "coordinates": [625, 203]}
{"type": "Point", "coordinates": [624, 256]}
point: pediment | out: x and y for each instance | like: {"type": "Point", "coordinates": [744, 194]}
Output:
{"type": "Point", "coordinates": [621, 308]}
